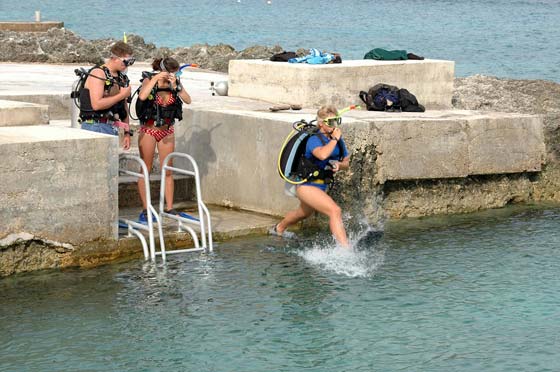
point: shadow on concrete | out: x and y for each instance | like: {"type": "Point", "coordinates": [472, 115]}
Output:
{"type": "Point", "coordinates": [199, 146]}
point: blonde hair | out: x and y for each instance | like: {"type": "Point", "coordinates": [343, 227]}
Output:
{"type": "Point", "coordinates": [328, 111]}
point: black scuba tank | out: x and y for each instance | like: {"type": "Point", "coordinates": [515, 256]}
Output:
{"type": "Point", "coordinates": [290, 157]}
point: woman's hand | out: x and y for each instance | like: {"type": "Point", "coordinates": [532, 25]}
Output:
{"type": "Point", "coordinates": [161, 77]}
{"type": "Point", "coordinates": [336, 134]}
{"type": "Point", "coordinates": [126, 142]}
{"type": "Point", "coordinates": [335, 165]}
{"type": "Point", "coordinates": [172, 81]}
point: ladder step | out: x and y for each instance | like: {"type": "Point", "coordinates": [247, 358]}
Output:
{"type": "Point", "coordinates": [182, 251]}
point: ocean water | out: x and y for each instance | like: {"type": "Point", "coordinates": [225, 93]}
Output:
{"type": "Point", "coordinates": [505, 38]}
{"type": "Point", "coordinates": [467, 293]}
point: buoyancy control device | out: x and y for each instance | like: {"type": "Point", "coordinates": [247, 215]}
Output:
{"type": "Point", "coordinates": [82, 99]}
{"type": "Point", "coordinates": [293, 166]}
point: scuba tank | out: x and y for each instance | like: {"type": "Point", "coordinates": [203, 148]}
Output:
{"type": "Point", "coordinates": [293, 166]}
{"type": "Point", "coordinates": [292, 152]}
{"type": "Point", "coordinates": [82, 100]}
{"type": "Point", "coordinates": [220, 88]}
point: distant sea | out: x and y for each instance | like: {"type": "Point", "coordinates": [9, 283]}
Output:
{"type": "Point", "coordinates": [504, 38]}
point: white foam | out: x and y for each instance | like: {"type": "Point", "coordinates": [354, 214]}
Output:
{"type": "Point", "coordinates": [343, 261]}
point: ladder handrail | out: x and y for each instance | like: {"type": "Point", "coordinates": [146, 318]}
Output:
{"type": "Point", "coordinates": [204, 220]}
{"type": "Point", "coordinates": [150, 210]}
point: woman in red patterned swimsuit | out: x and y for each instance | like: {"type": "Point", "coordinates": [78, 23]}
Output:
{"type": "Point", "coordinates": [159, 105]}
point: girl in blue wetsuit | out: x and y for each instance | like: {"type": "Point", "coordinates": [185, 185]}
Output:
{"type": "Point", "coordinates": [324, 150]}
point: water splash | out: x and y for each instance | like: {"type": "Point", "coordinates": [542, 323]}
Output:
{"type": "Point", "coordinates": [364, 258]}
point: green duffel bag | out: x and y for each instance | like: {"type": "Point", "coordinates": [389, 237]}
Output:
{"type": "Point", "coordinates": [386, 55]}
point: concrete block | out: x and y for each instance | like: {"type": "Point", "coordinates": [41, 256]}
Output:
{"type": "Point", "coordinates": [58, 183]}
{"type": "Point", "coordinates": [236, 152]}
{"type": "Point", "coordinates": [29, 26]}
{"type": "Point", "coordinates": [455, 144]}
{"type": "Point", "coordinates": [420, 148]}
{"type": "Point", "coordinates": [14, 113]}
{"type": "Point", "coordinates": [505, 143]}
{"type": "Point", "coordinates": [59, 104]}
{"type": "Point", "coordinates": [339, 84]}
{"type": "Point", "coordinates": [237, 149]}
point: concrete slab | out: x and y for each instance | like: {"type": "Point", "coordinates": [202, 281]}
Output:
{"type": "Point", "coordinates": [237, 148]}
{"type": "Point", "coordinates": [505, 143]}
{"type": "Point", "coordinates": [421, 148]}
{"type": "Point", "coordinates": [51, 84]}
{"type": "Point", "coordinates": [226, 223]}
{"type": "Point", "coordinates": [455, 144]}
{"type": "Point", "coordinates": [58, 183]}
{"type": "Point", "coordinates": [339, 84]}
{"type": "Point", "coordinates": [13, 113]}
{"type": "Point", "coordinates": [29, 26]}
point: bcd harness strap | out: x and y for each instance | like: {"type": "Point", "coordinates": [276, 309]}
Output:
{"type": "Point", "coordinates": [115, 112]}
{"type": "Point", "coordinates": [307, 168]}
{"type": "Point", "coordinates": [161, 115]}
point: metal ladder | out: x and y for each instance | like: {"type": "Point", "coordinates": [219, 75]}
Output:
{"type": "Point", "coordinates": [134, 226]}
{"type": "Point", "coordinates": [203, 221]}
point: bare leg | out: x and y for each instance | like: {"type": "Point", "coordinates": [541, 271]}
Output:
{"type": "Point", "coordinates": [165, 147]}
{"type": "Point", "coordinates": [323, 203]}
{"type": "Point", "coordinates": [292, 217]}
{"type": "Point", "coordinates": [147, 147]}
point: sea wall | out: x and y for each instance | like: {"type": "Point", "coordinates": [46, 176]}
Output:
{"type": "Point", "coordinates": [369, 187]}
{"type": "Point", "coordinates": [416, 198]}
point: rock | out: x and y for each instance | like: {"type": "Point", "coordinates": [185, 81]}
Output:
{"type": "Point", "coordinates": [23, 252]}
{"type": "Point", "coordinates": [489, 93]}
{"type": "Point", "coordinates": [63, 46]}
{"type": "Point", "coordinates": [259, 52]}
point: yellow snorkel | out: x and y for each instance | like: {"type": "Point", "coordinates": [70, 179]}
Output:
{"type": "Point", "coordinates": [346, 109]}
{"type": "Point", "coordinates": [337, 120]}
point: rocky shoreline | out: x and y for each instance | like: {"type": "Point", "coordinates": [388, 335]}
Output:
{"type": "Point", "coordinates": [59, 45]}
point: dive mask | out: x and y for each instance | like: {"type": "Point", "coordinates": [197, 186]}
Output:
{"type": "Point", "coordinates": [332, 122]}
{"type": "Point", "coordinates": [127, 62]}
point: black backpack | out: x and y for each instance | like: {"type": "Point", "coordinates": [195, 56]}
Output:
{"type": "Point", "coordinates": [405, 101]}
{"type": "Point", "coordinates": [283, 57]}
{"type": "Point", "coordinates": [369, 97]}
{"type": "Point", "coordinates": [408, 102]}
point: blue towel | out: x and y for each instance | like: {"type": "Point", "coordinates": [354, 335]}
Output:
{"type": "Point", "coordinates": [315, 57]}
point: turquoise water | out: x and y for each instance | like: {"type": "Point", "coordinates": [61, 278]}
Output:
{"type": "Point", "coordinates": [468, 293]}
{"type": "Point", "coordinates": [508, 38]}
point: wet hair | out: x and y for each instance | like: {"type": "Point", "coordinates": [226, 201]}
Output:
{"type": "Point", "coordinates": [121, 49]}
{"type": "Point", "coordinates": [327, 112]}
{"type": "Point", "coordinates": [168, 63]}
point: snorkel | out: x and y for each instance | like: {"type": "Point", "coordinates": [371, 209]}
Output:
{"type": "Point", "coordinates": [346, 109]}
{"type": "Point", "coordinates": [335, 121]}
{"type": "Point", "coordinates": [180, 72]}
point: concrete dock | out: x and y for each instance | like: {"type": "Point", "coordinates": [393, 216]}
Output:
{"type": "Point", "coordinates": [235, 141]}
